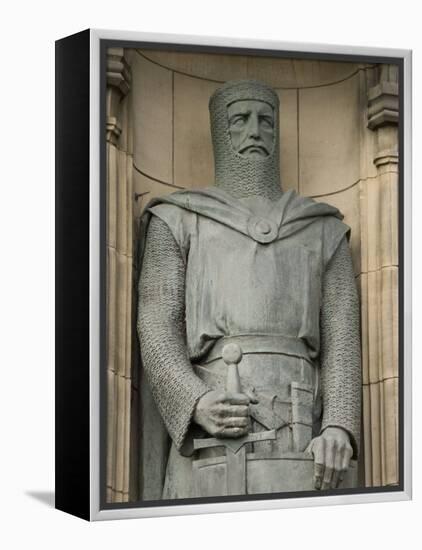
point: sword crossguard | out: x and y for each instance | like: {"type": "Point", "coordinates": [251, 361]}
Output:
{"type": "Point", "coordinates": [234, 445]}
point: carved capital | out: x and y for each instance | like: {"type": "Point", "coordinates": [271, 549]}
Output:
{"type": "Point", "coordinates": [118, 71]}
{"type": "Point", "coordinates": [113, 130]}
{"type": "Point", "coordinates": [388, 156]}
{"type": "Point", "coordinates": [383, 98]}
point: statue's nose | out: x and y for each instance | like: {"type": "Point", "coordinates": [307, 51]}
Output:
{"type": "Point", "coordinates": [253, 126]}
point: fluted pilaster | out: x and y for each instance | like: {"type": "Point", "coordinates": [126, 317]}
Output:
{"type": "Point", "coordinates": [119, 276]}
{"type": "Point", "coordinates": [379, 284]}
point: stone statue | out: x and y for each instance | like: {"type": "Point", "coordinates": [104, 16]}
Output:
{"type": "Point", "coordinates": [249, 320]}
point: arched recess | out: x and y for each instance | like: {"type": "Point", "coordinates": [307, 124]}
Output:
{"type": "Point", "coordinates": [338, 145]}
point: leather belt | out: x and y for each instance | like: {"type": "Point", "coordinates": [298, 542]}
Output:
{"type": "Point", "coordinates": [260, 343]}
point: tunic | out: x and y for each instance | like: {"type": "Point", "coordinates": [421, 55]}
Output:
{"type": "Point", "coordinates": [257, 280]}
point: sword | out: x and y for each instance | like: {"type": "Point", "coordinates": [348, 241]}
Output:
{"type": "Point", "coordinates": [236, 472]}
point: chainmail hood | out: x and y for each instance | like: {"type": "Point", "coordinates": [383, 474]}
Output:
{"type": "Point", "coordinates": [239, 175]}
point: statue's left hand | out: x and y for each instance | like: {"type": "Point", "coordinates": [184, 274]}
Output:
{"type": "Point", "coordinates": [332, 453]}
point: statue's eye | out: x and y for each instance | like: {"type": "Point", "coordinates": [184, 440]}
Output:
{"type": "Point", "coordinates": [238, 121]}
{"type": "Point", "coordinates": [267, 122]}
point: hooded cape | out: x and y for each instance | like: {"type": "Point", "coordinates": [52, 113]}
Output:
{"type": "Point", "coordinates": [289, 216]}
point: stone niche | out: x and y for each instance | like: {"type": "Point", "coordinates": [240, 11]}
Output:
{"type": "Point", "coordinates": [338, 144]}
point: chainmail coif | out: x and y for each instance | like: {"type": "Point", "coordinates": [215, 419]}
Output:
{"type": "Point", "coordinates": [237, 174]}
{"type": "Point", "coordinates": [161, 326]}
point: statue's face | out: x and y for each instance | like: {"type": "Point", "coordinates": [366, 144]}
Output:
{"type": "Point", "coordinates": [251, 127]}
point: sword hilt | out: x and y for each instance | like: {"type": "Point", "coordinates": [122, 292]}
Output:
{"type": "Point", "coordinates": [232, 355]}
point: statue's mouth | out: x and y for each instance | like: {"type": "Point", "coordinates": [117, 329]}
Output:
{"type": "Point", "coordinates": [254, 150]}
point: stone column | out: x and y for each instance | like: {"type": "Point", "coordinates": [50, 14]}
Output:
{"type": "Point", "coordinates": [379, 284]}
{"type": "Point", "coordinates": [119, 275]}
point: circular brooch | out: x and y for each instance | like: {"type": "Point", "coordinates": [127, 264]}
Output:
{"type": "Point", "coordinates": [262, 231]}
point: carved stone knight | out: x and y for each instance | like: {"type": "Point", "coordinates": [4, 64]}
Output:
{"type": "Point", "coordinates": [243, 274]}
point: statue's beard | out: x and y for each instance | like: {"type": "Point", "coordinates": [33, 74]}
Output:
{"type": "Point", "coordinates": [244, 176]}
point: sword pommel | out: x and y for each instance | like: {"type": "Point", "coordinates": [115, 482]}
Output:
{"type": "Point", "coordinates": [232, 354]}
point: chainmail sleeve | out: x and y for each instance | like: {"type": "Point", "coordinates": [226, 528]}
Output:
{"type": "Point", "coordinates": [161, 328]}
{"type": "Point", "coordinates": [340, 356]}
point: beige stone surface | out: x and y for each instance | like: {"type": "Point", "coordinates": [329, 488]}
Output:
{"type": "Point", "coordinates": [123, 207]}
{"type": "Point", "coordinates": [368, 138]}
{"type": "Point", "coordinates": [376, 433]}
{"type": "Point", "coordinates": [152, 118]}
{"type": "Point", "coordinates": [380, 402]}
{"type": "Point", "coordinates": [298, 73]}
{"type": "Point", "coordinates": [124, 200]}
{"type": "Point", "coordinates": [129, 320]}
{"type": "Point", "coordinates": [288, 139]}
{"type": "Point", "coordinates": [379, 206]}
{"type": "Point", "coordinates": [130, 201]}
{"type": "Point", "coordinates": [390, 321]}
{"type": "Point", "coordinates": [212, 67]}
{"type": "Point", "coordinates": [278, 72]}
{"type": "Point", "coordinates": [129, 273]}
{"type": "Point", "coordinates": [193, 156]}
{"type": "Point", "coordinates": [119, 294]}
{"type": "Point", "coordinates": [111, 431]}
{"type": "Point", "coordinates": [111, 307]}
{"type": "Point", "coordinates": [380, 374]}
{"type": "Point", "coordinates": [329, 131]}
{"type": "Point", "coordinates": [148, 189]}
{"type": "Point", "coordinates": [111, 197]}
{"type": "Point", "coordinates": [119, 366]}
{"type": "Point", "coordinates": [391, 430]}
{"type": "Point", "coordinates": [380, 320]}
{"type": "Point", "coordinates": [126, 119]}
{"type": "Point", "coordinates": [123, 265]}
{"type": "Point", "coordinates": [134, 444]}
{"type": "Point", "coordinates": [367, 434]}
{"type": "Point", "coordinates": [387, 144]}
{"type": "Point", "coordinates": [112, 99]}
{"type": "Point", "coordinates": [122, 408]}
{"type": "Point", "coordinates": [126, 452]}
{"type": "Point", "coordinates": [364, 315]}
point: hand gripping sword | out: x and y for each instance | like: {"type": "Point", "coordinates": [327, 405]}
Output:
{"type": "Point", "coordinates": [236, 472]}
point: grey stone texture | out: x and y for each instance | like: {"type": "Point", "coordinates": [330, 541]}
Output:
{"type": "Point", "coordinates": [155, 147]}
{"type": "Point", "coordinates": [242, 261]}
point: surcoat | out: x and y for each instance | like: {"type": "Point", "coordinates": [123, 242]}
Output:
{"type": "Point", "coordinates": [257, 281]}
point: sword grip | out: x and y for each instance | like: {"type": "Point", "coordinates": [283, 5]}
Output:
{"type": "Point", "coordinates": [232, 355]}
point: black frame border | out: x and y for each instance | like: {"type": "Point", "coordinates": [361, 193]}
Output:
{"type": "Point", "coordinates": [72, 296]}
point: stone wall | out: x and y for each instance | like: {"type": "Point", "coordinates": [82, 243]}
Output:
{"type": "Point", "coordinates": [338, 144]}
{"type": "Point", "coordinates": [119, 274]}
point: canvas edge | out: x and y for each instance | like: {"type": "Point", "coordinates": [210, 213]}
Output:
{"type": "Point", "coordinates": [160, 511]}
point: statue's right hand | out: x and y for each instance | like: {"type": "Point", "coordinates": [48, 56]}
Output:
{"type": "Point", "coordinates": [224, 414]}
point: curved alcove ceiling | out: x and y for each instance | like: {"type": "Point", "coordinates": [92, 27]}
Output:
{"type": "Point", "coordinates": [278, 72]}
{"type": "Point", "coordinates": [152, 113]}
{"type": "Point", "coordinates": [320, 128]}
